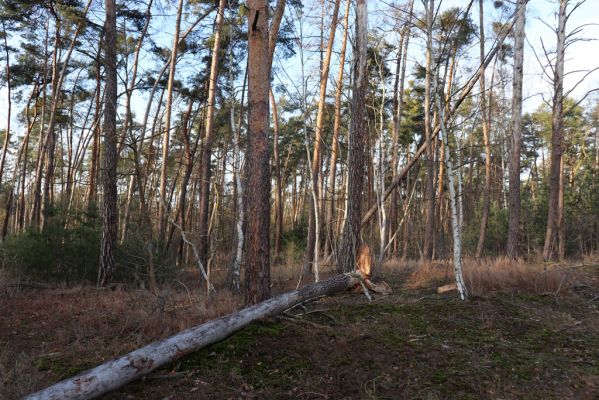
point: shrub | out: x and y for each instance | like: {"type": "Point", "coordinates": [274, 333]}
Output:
{"type": "Point", "coordinates": [64, 252]}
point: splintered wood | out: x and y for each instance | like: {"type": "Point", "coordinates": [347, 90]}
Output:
{"type": "Point", "coordinates": [364, 268]}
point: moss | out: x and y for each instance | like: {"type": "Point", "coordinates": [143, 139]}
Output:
{"type": "Point", "coordinates": [237, 344]}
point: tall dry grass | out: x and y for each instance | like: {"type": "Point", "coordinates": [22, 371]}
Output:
{"type": "Point", "coordinates": [488, 275]}
{"type": "Point", "coordinates": [46, 335]}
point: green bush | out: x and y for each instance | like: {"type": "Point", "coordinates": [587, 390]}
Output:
{"type": "Point", "coordinates": [64, 252]}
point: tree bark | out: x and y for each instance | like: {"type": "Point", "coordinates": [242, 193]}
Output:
{"type": "Point", "coordinates": [350, 240]}
{"type": "Point", "coordinates": [258, 156]}
{"type": "Point", "coordinates": [456, 229]}
{"type": "Point", "coordinates": [516, 133]}
{"type": "Point", "coordinates": [109, 205]}
{"type": "Point", "coordinates": [430, 155]}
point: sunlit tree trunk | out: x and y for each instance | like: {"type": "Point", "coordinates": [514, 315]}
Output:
{"type": "Point", "coordinates": [258, 157]}
{"type": "Point", "coordinates": [37, 185]}
{"type": "Point", "coordinates": [350, 239]}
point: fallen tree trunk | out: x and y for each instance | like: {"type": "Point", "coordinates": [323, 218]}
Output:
{"type": "Point", "coordinates": [114, 374]}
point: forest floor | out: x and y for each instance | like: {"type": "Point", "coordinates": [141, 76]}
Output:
{"type": "Point", "coordinates": [412, 344]}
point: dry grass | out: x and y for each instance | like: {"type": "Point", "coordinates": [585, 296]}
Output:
{"type": "Point", "coordinates": [47, 335]}
{"type": "Point", "coordinates": [490, 275]}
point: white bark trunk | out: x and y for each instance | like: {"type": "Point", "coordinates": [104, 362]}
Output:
{"type": "Point", "coordinates": [455, 223]}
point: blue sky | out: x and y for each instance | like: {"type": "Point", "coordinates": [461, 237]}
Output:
{"type": "Point", "coordinates": [581, 56]}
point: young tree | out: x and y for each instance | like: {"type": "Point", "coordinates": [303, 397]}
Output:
{"type": "Point", "coordinates": [330, 209]}
{"type": "Point", "coordinates": [312, 247]}
{"type": "Point", "coordinates": [554, 236]}
{"type": "Point", "coordinates": [485, 119]}
{"type": "Point", "coordinates": [206, 167]}
{"type": "Point", "coordinates": [162, 206]}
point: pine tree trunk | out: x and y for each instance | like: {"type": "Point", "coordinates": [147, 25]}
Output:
{"type": "Point", "coordinates": [109, 162]}
{"type": "Point", "coordinates": [257, 201]}
{"type": "Point", "coordinates": [516, 132]}
{"type": "Point", "coordinates": [350, 240]}
{"type": "Point", "coordinates": [429, 233]}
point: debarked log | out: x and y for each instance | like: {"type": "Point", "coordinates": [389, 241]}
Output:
{"type": "Point", "coordinates": [119, 371]}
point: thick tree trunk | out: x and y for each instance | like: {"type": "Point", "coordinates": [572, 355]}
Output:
{"type": "Point", "coordinates": [516, 131]}
{"type": "Point", "coordinates": [109, 163]}
{"type": "Point", "coordinates": [114, 374]}
{"type": "Point", "coordinates": [350, 240]}
{"type": "Point", "coordinates": [257, 201]}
